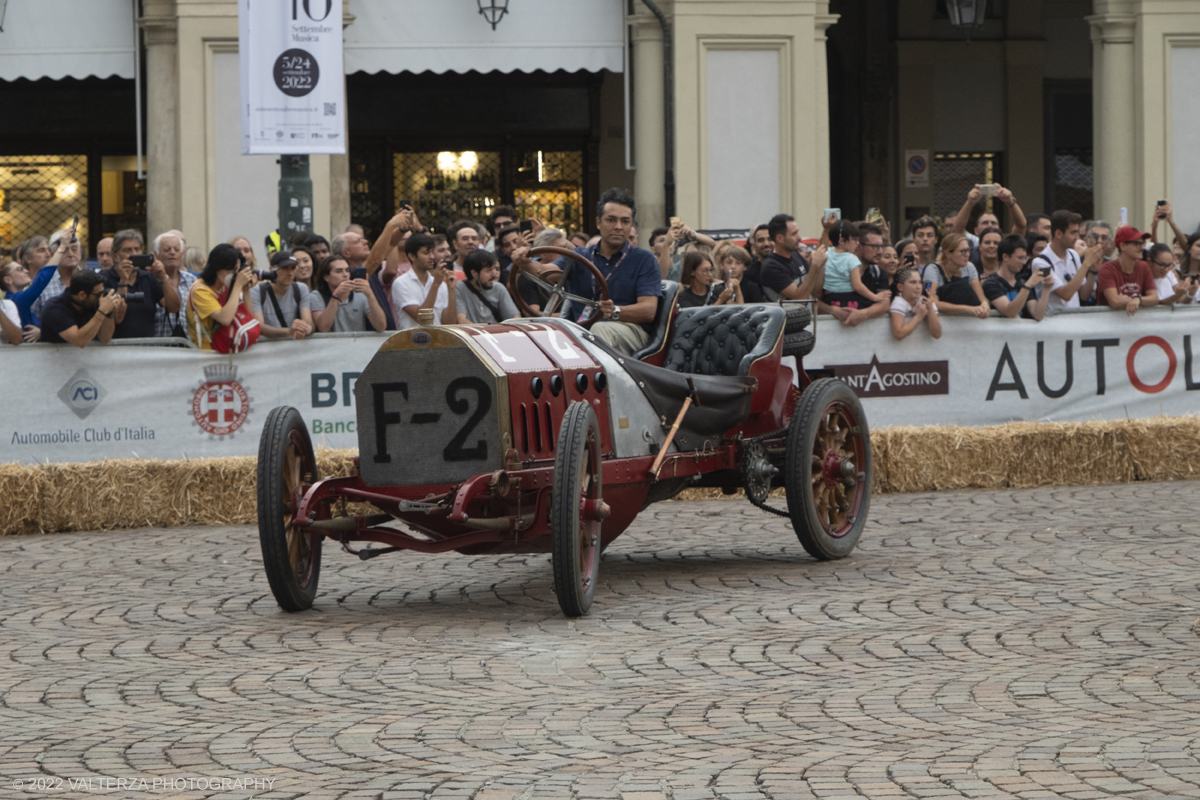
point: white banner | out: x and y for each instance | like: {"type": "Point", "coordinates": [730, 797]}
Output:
{"type": "Point", "coordinates": [1070, 367]}
{"type": "Point", "coordinates": [166, 402]}
{"type": "Point", "coordinates": [293, 90]}
{"type": "Point", "coordinates": [68, 404]}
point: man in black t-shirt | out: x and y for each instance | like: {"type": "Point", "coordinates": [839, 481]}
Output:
{"type": "Point", "coordinates": [786, 275]}
{"type": "Point", "coordinates": [759, 246]}
{"type": "Point", "coordinates": [84, 311]}
{"type": "Point", "coordinates": [1011, 294]}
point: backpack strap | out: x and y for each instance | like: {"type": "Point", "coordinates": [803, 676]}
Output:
{"type": "Point", "coordinates": [270, 292]}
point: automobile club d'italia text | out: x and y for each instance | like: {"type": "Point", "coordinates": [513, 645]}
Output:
{"type": "Point", "coordinates": [88, 435]}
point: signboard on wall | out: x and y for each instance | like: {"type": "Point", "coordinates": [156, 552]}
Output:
{"type": "Point", "coordinates": [292, 88]}
{"type": "Point", "coordinates": [916, 169]}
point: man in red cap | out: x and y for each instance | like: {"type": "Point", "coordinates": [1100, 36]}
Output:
{"type": "Point", "coordinates": [1126, 281]}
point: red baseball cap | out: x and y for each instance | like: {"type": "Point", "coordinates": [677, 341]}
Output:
{"type": "Point", "coordinates": [1128, 233]}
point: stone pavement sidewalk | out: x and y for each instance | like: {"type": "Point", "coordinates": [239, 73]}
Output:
{"type": "Point", "coordinates": [1026, 644]}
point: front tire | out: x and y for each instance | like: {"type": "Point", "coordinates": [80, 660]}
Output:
{"type": "Point", "coordinates": [829, 469]}
{"type": "Point", "coordinates": [286, 469]}
{"type": "Point", "coordinates": [578, 484]}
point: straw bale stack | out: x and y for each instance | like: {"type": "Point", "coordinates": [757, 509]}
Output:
{"type": "Point", "coordinates": [136, 493]}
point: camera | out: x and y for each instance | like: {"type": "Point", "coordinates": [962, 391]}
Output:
{"type": "Point", "coordinates": [267, 275]}
{"type": "Point", "coordinates": [134, 297]}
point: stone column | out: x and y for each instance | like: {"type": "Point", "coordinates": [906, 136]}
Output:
{"type": "Point", "coordinates": [818, 194]}
{"type": "Point", "coordinates": [648, 116]}
{"type": "Point", "coordinates": [339, 166]}
{"type": "Point", "coordinates": [1114, 110]}
{"type": "Point", "coordinates": [159, 23]}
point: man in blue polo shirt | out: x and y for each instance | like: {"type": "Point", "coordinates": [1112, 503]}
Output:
{"type": "Point", "coordinates": [632, 274]}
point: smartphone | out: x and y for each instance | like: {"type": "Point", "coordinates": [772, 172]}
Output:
{"type": "Point", "coordinates": [1160, 214]}
{"type": "Point", "coordinates": [358, 273]}
{"type": "Point", "coordinates": [1045, 271]}
{"type": "Point", "coordinates": [988, 189]}
{"type": "Point", "coordinates": [526, 226]}
{"type": "Point", "coordinates": [142, 262]}
{"type": "Point", "coordinates": [676, 222]}
{"type": "Point", "coordinates": [928, 287]}
{"type": "Point", "coordinates": [1124, 216]}
{"type": "Point", "coordinates": [836, 213]}
{"type": "Point", "coordinates": [873, 215]}
{"type": "Point", "coordinates": [405, 204]}
{"type": "Point", "coordinates": [910, 260]}
{"type": "Point", "coordinates": [75, 224]}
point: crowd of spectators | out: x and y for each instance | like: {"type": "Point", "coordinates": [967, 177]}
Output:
{"type": "Point", "coordinates": [965, 265]}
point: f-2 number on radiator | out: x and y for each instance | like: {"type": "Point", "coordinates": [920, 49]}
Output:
{"type": "Point", "coordinates": [457, 400]}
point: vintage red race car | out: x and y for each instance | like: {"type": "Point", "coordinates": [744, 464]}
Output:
{"type": "Point", "coordinates": [534, 436]}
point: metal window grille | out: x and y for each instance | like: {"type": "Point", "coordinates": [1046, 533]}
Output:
{"type": "Point", "coordinates": [40, 195]}
{"type": "Point", "coordinates": [955, 174]}
{"type": "Point", "coordinates": [549, 186]}
{"type": "Point", "coordinates": [1074, 181]}
{"type": "Point", "coordinates": [447, 186]}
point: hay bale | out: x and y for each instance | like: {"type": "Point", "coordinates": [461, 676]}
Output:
{"type": "Point", "coordinates": [1068, 453]}
{"type": "Point", "coordinates": [21, 511]}
{"type": "Point", "coordinates": [134, 493]}
{"type": "Point", "coordinates": [1165, 448]}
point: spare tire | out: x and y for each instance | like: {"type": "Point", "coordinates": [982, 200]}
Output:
{"type": "Point", "coordinates": [799, 317]}
{"type": "Point", "coordinates": [798, 344]}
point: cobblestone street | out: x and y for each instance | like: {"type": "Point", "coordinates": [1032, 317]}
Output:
{"type": "Point", "coordinates": [1024, 644]}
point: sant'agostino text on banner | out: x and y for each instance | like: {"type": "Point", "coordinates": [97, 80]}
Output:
{"type": "Point", "coordinates": [293, 91]}
{"type": "Point", "coordinates": [109, 401]}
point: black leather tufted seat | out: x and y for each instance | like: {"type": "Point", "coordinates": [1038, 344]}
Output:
{"type": "Point", "coordinates": [662, 320]}
{"type": "Point", "coordinates": [723, 340]}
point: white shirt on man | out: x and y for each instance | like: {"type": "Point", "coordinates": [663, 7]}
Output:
{"type": "Point", "coordinates": [1063, 270]}
{"type": "Point", "coordinates": [408, 290]}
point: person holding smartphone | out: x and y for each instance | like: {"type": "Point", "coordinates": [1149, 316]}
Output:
{"type": "Point", "coordinates": [341, 303]}
{"type": "Point", "coordinates": [428, 284]}
{"type": "Point", "coordinates": [911, 306]}
{"type": "Point", "coordinates": [1005, 289]}
{"type": "Point", "coordinates": [1171, 290]}
{"type": "Point", "coordinates": [143, 283]}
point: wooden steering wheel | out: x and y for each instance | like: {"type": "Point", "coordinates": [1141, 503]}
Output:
{"type": "Point", "coordinates": [558, 291]}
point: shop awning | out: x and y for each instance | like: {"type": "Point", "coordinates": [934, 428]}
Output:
{"type": "Point", "coordinates": [451, 36]}
{"type": "Point", "coordinates": [67, 39]}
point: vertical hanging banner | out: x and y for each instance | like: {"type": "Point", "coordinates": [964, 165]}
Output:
{"type": "Point", "coordinates": [293, 90]}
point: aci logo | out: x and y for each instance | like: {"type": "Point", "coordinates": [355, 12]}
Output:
{"type": "Point", "coordinates": [82, 394]}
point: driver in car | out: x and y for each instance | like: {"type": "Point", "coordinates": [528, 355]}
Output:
{"type": "Point", "coordinates": [632, 274]}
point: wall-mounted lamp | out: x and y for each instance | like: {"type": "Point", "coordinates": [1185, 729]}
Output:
{"type": "Point", "coordinates": [493, 11]}
{"type": "Point", "coordinates": [967, 15]}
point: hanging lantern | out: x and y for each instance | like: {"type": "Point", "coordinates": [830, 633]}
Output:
{"type": "Point", "coordinates": [493, 10]}
{"type": "Point", "coordinates": [967, 15]}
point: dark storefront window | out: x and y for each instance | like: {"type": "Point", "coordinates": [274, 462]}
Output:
{"type": "Point", "coordinates": [1070, 177]}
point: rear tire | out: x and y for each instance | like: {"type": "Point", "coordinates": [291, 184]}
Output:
{"type": "Point", "coordinates": [829, 470]}
{"type": "Point", "coordinates": [286, 469]}
{"type": "Point", "coordinates": [577, 479]}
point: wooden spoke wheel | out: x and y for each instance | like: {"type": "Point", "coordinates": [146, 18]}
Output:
{"type": "Point", "coordinates": [286, 469]}
{"type": "Point", "coordinates": [577, 509]}
{"type": "Point", "coordinates": [829, 469]}
{"type": "Point", "coordinates": [558, 291]}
